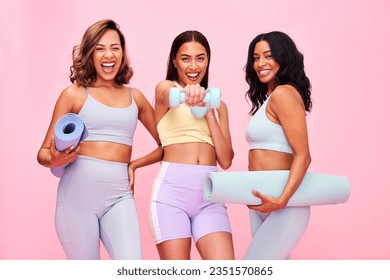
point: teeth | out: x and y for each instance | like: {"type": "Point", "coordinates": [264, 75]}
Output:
{"type": "Point", "coordinates": [264, 71]}
{"type": "Point", "coordinates": [193, 75]}
{"type": "Point", "coordinates": [108, 64]}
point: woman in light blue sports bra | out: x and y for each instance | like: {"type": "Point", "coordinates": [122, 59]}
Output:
{"type": "Point", "coordinates": [95, 199]}
{"type": "Point", "coordinates": [278, 140]}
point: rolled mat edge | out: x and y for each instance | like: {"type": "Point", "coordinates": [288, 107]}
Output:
{"type": "Point", "coordinates": [69, 131]}
{"type": "Point", "coordinates": [236, 187]}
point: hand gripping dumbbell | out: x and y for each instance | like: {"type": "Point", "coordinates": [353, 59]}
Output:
{"type": "Point", "coordinates": [212, 98]}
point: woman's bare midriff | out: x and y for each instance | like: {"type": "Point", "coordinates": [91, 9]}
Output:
{"type": "Point", "coordinates": [191, 153]}
{"type": "Point", "coordinates": [106, 151]}
{"type": "Point", "coordinates": [269, 160]}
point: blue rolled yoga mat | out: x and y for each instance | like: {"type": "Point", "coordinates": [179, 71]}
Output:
{"type": "Point", "coordinates": [236, 187]}
{"type": "Point", "coordinates": [69, 131]}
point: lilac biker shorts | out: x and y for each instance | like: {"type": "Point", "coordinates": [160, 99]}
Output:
{"type": "Point", "coordinates": [177, 208]}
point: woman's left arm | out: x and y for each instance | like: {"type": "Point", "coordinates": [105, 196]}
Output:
{"type": "Point", "coordinates": [290, 111]}
{"type": "Point", "coordinates": [220, 133]}
{"type": "Point", "coordinates": [146, 117]}
{"type": "Point", "coordinates": [287, 107]}
{"type": "Point", "coordinates": [291, 114]}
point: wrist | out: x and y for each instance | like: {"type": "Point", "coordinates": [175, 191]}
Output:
{"type": "Point", "coordinates": [210, 114]}
{"type": "Point", "coordinates": [283, 200]}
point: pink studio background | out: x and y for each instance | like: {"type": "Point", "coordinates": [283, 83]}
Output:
{"type": "Point", "coordinates": [346, 46]}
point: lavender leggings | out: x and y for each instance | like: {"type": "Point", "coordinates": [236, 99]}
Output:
{"type": "Point", "coordinates": [276, 234]}
{"type": "Point", "coordinates": [93, 204]}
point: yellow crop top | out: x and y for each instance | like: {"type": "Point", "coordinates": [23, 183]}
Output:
{"type": "Point", "coordinates": [178, 125]}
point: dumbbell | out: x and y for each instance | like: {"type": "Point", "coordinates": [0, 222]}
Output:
{"type": "Point", "coordinates": [212, 98]}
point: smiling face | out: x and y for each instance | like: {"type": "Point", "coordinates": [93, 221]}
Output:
{"type": "Point", "coordinates": [191, 63]}
{"type": "Point", "coordinates": [107, 57]}
{"type": "Point", "coordinates": [264, 64]}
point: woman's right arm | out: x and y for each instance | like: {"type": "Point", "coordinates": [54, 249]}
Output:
{"type": "Point", "coordinates": [194, 96]}
{"type": "Point", "coordinates": [48, 155]}
{"type": "Point", "coordinates": [161, 105]}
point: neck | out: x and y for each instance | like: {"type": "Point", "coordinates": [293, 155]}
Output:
{"type": "Point", "coordinates": [106, 85]}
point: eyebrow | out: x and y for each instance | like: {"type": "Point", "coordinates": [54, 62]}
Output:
{"type": "Point", "coordinates": [115, 44]}
{"type": "Point", "coordinates": [187, 55]}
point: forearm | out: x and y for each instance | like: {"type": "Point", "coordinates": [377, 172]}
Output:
{"type": "Point", "coordinates": [297, 172]}
{"type": "Point", "coordinates": [153, 157]}
{"type": "Point", "coordinates": [222, 143]}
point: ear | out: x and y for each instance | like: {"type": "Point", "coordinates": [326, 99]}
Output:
{"type": "Point", "coordinates": [174, 63]}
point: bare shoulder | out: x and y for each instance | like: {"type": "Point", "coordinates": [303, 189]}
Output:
{"type": "Point", "coordinates": [137, 94]}
{"type": "Point", "coordinates": [139, 97]}
{"type": "Point", "coordinates": [72, 97]}
{"type": "Point", "coordinates": [73, 92]}
{"type": "Point", "coordinates": [285, 95]}
{"type": "Point", "coordinates": [135, 91]}
{"type": "Point", "coordinates": [162, 85]}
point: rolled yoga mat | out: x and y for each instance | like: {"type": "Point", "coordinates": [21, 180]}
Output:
{"type": "Point", "coordinates": [236, 187]}
{"type": "Point", "coordinates": [69, 131]}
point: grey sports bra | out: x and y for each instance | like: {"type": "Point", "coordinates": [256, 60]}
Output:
{"type": "Point", "coordinates": [109, 124]}
{"type": "Point", "coordinates": [262, 133]}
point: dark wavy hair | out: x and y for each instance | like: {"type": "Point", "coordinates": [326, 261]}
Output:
{"type": "Point", "coordinates": [291, 71]}
{"type": "Point", "coordinates": [185, 37]}
{"type": "Point", "coordinates": [83, 71]}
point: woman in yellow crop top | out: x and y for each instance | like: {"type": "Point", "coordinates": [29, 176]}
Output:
{"type": "Point", "coordinates": [192, 148]}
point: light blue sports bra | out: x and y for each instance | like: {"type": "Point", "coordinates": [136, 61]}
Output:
{"type": "Point", "coordinates": [109, 124]}
{"type": "Point", "coordinates": [262, 133]}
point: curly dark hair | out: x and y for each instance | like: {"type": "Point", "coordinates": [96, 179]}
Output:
{"type": "Point", "coordinates": [291, 71]}
{"type": "Point", "coordinates": [185, 37]}
{"type": "Point", "coordinates": [83, 71]}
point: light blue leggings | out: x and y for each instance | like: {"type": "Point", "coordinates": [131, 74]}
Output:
{"type": "Point", "coordinates": [275, 234]}
{"type": "Point", "coordinates": [93, 204]}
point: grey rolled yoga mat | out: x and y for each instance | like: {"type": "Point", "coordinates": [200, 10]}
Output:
{"type": "Point", "coordinates": [69, 131]}
{"type": "Point", "coordinates": [236, 187]}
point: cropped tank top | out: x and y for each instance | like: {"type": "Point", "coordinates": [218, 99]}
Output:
{"type": "Point", "coordinates": [178, 126]}
{"type": "Point", "coordinates": [262, 133]}
{"type": "Point", "coordinates": [109, 124]}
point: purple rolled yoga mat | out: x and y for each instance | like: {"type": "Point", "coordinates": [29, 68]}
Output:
{"type": "Point", "coordinates": [69, 131]}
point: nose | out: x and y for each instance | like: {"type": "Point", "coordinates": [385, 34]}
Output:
{"type": "Point", "coordinates": [108, 53]}
{"type": "Point", "coordinates": [261, 62]}
{"type": "Point", "coordinates": [193, 64]}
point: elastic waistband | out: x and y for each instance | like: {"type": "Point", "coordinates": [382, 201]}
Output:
{"type": "Point", "coordinates": [190, 166]}
{"type": "Point", "coordinates": [82, 157]}
{"type": "Point", "coordinates": [98, 169]}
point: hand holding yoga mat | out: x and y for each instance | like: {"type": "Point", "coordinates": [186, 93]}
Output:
{"type": "Point", "coordinates": [236, 187]}
{"type": "Point", "coordinates": [69, 131]}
